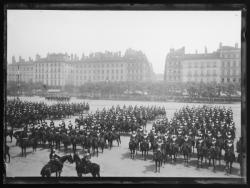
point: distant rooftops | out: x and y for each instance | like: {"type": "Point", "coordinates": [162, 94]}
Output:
{"type": "Point", "coordinates": [130, 54]}
{"type": "Point", "coordinates": [180, 53]}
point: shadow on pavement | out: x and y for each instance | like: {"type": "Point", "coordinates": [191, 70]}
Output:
{"type": "Point", "coordinates": [149, 168]}
{"type": "Point", "coordinates": [20, 154]}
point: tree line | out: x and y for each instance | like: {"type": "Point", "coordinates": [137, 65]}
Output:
{"type": "Point", "coordinates": [193, 90]}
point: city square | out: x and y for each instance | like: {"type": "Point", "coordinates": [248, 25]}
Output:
{"type": "Point", "coordinates": [127, 104]}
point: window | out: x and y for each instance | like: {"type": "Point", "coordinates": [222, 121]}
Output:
{"type": "Point", "coordinates": [228, 79]}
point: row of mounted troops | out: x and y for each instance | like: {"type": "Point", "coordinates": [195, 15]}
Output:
{"type": "Point", "coordinates": [124, 120]}
{"type": "Point", "coordinates": [20, 113]}
{"type": "Point", "coordinates": [97, 130]}
{"type": "Point", "coordinates": [208, 129]}
{"type": "Point", "coordinates": [92, 132]}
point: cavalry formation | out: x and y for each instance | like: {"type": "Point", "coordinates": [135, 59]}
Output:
{"type": "Point", "coordinates": [210, 130]}
{"type": "Point", "coordinates": [98, 130]}
{"type": "Point", "coordinates": [20, 113]}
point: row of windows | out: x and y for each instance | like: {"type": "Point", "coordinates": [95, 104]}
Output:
{"type": "Point", "coordinates": [202, 74]}
{"type": "Point", "coordinates": [202, 79]}
{"type": "Point", "coordinates": [99, 71]}
{"type": "Point", "coordinates": [228, 72]}
{"type": "Point", "coordinates": [98, 78]}
{"type": "Point", "coordinates": [224, 80]}
{"type": "Point", "coordinates": [230, 63]}
{"type": "Point", "coordinates": [230, 55]}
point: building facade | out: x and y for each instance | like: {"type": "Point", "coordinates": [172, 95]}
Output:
{"type": "Point", "coordinates": [221, 66]}
{"type": "Point", "coordinates": [63, 69]}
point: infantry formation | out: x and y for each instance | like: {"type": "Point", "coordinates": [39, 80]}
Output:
{"type": "Point", "coordinates": [205, 132]}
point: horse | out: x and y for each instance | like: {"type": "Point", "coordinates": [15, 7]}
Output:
{"type": "Point", "coordinates": [7, 152]}
{"type": "Point", "coordinates": [102, 143]}
{"type": "Point", "coordinates": [213, 153]}
{"type": "Point", "coordinates": [158, 156]}
{"type": "Point", "coordinates": [55, 166]}
{"type": "Point", "coordinates": [186, 150]}
{"type": "Point", "coordinates": [26, 142]}
{"type": "Point", "coordinates": [174, 149]}
{"type": "Point", "coordinates": [94, 145]}
{"type": "Point", "coordinates": [132, 147]}
{"type": "Point", "coordinates": [229, 158]}
{"type": "Point", "coordinates": [154, 145]}
{"type": "Point", "coordinates": [83, 167]}
{"type": "Point", "coordinates": [221, 144]}
{"type": "Point", "coordinates": [117, 137]}
{"type": "Point", "coordinates": [66, 141]}
{"type": "Point", "coordinates": [87, 144]}
{"type": "Point", "coordinates": [166, 150]}
{"type": "Point", "coordinates": [74, 142]}
{"type": "Point", "coordinates": [109, 137]}
{"type": "Point", "coordinates": [144, 148]}
{"type": "Point", "coordinates": [57, 138]}
{"type": "Point", "coordinates": [202, 152]}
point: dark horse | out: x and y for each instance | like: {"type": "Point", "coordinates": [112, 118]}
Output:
{"type": "Point", "coordinates": [27, 142]}
{"type": "Point", "coordinates": [132, 147]}
{"type": "Point", "coordinates": [144, 148]}
{"type": "Point", "coordinates": [186, 150]}
{"type": "Point", "coordinates": [202, 151]}
{"type": "Point", "coordinates": [84, 167]}
{"type": "Point", "coordinates": [158, 157]}
{"type": "Point", "coordinates": [94, 145]}
{"type": "Point", "coordinates": [174, 148]}
{"type": "Point", "coordinates": [229, 158]}
{"type": "Point", "coordinates": [111, 136]}
{"type": "Point", "coordinates": [55, 166]}
{"type": "Point", "coordinates": [101, 143]}
{"type": "Point", "coordinates": [6, 152]}
{"type": "Point", "coordinates": [213, 153]}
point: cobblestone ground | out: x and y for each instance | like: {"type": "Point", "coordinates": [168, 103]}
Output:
{"type": "Point", "coordinates": [116, 162]}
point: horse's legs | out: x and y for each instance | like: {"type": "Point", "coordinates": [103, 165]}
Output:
{"type": "Point", "coordinates": [155, 166]}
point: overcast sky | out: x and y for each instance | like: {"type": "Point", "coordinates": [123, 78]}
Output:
{"type": "Point", "coordinates": [154, 32]}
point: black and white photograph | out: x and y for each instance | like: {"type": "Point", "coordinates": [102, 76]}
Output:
{"type": "Point", "coordinates": [124, 93]}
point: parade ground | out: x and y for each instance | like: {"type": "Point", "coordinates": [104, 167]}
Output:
{"type": "Point", "coordinates": [116, 162]}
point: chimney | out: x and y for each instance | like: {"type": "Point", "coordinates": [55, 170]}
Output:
{"type": "Point", "coordinates": [20, 59]}
{"type": "Point", "coordinates": [220, 45]}
{"type": "Point", "coordinates": [37, 57]}
{"type": "Point", "coordinates": [13, 59]}
{"type": "Point", "coordinates": [236, 45]}
{"type": "Point", "coordinates": [196, 51]}
{"type": "Point", "coordinates": [205, 50]}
